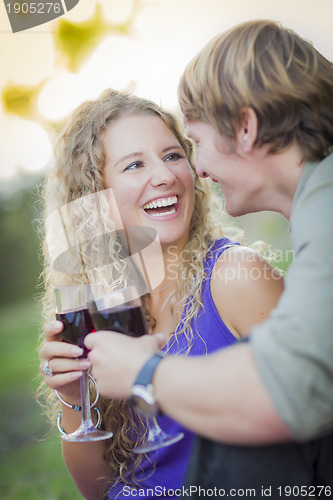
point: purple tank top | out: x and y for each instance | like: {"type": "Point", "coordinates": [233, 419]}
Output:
{"type": "Point", "coordinates": [170, 463]}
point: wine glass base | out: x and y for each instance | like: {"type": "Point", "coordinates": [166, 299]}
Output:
{"type": "Point", "coordinates": [85, 435]}
{"type": "Point", "coordinates": [158, 442]}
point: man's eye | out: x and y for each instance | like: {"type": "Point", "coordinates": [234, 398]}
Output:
{"type": "Point", "coordinates": [173, 157]}
{"type": "Point", "coordinates": [134, 166]}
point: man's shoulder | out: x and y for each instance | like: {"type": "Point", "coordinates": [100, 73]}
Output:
{"type": "Point", "coordinates": [319, 173]}
{"type": "Point", "coordinates": [323, 170]}
{"type": "Point", "coordinates": [313, 207]}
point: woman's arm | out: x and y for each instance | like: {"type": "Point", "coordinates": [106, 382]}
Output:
{"type": "Point", "coordinates": [220, 396]}
{"type": "Point", "coordinates": [87, 467]}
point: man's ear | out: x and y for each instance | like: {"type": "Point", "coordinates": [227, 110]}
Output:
{"type": "Point", "coordinates": [247, 131]}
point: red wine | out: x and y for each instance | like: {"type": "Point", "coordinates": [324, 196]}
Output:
{"type": "Point", "coordinates": [125, 319]}
{"type": "Point", "coordinates": [77, 324]}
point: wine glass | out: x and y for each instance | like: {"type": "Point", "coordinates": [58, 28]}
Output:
{"type": "Point", "coordinates": [72, 311]}
{"type": "Point", "coordinates": [121, 311]}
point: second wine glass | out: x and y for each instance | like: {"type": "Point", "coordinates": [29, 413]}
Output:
{"type": "Point", "coordinates": [121, 311]}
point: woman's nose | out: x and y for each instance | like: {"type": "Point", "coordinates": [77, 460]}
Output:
{"type": "Point", "coordinates": [162, 175]}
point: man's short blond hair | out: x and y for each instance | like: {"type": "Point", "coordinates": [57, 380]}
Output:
{"type": "Point", "coordinates": [267, 67]}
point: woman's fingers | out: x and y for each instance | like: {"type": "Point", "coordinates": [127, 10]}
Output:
{"type": "Point", "coordinates": [59, 350]}
{"type": "Point", "coordinates": [52, 330]}
{"type": "Point", "coordinates": [59, 358]}
{"type": "Point", "coordinates": [60, 362]}
{"type": "Point", "coordinates": [62, 382]}
{"type": "Point", "coordinates": [56, 366]}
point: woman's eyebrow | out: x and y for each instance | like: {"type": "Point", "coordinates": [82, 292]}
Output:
{"type": "Point", "coordinates": [126, 157]}
{"type": "Point", "coordinates": [176, 146]}
{"type": "Point", "coordinates": [138, 153]}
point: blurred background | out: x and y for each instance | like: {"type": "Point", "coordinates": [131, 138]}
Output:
{"type": "Point", "coordinates": [46, 71]}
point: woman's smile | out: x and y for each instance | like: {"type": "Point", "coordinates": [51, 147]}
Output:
{"type": "Point", "coordinates": [162, 207]}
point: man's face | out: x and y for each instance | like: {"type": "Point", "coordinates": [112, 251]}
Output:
{"type": "Point", "coordinates": [240, 175]}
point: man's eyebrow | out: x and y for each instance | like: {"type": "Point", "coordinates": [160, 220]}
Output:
{"type": "Point", "coordinates": [126, 157]}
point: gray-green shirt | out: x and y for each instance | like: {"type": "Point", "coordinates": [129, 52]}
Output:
{"type": "Point", "coordinates": [293, 349]}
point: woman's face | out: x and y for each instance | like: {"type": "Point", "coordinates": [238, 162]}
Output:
{"type": "Point", "coordinates": [150, 176]}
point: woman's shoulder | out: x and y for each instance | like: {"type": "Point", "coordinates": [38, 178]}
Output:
{"type": "Point", "coordinates": [243, 264]}
{"type": "Point", "coordinates": [244, 282]}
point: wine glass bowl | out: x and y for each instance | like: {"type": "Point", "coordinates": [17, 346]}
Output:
{"type": "Point", "coordinates": [77, 324]}
{"type": "Point", "coordinates": [120, 311]}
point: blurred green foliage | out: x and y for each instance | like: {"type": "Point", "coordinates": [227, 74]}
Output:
{"type": "Point", "coordinates": [20, 264]}
{"type": "Point", "coordinates": [31, 464]}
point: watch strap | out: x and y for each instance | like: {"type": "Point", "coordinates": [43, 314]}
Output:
{"type": "Point", "coordinates": [147, 371]}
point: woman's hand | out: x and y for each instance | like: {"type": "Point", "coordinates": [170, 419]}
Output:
{"type": "Point", "coordinates": [62, 360]}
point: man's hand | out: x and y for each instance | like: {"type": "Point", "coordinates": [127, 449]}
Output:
{"type": "Point", "coordinates": [117, 359]}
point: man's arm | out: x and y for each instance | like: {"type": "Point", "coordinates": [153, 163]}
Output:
{"type": "Point", "coordinates": [293, 350]}
{"type": "Point", "coordinates": [219, 396]}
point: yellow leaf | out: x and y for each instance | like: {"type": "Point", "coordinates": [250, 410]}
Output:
{"type": "Point", "coordinates": [20, 100]}
{"type": "Point", "coordinates": [77, 40]}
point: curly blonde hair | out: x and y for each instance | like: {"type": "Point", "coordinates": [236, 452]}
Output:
{"type": "Point", "coordinates": [77, 174]}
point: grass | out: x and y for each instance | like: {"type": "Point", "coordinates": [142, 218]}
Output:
{"type": "Point", "coordinates": [31, 465]}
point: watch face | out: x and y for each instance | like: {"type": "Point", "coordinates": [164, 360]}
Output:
{"type": "Point", "coordinates": [143, 401]}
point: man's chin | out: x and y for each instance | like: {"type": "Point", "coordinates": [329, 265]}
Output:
{"type": "Point", "coordinates": [229, 209]}
{"type": "Point", "coordinates": [233, 211]}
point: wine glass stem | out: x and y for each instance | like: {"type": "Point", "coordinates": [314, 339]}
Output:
{"type": "Point", "coordinates": [85, 400]}
{"type": "Point", "coordinates": [154, 428]}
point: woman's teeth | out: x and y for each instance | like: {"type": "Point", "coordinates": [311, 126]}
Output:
{"type": "Point", "coordinates": [157, 208]}
{"type": "Point", "coordinates": [161, 202]}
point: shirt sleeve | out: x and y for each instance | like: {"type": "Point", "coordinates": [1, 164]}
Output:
{"type": "Point", "coordinates": [293, 349]}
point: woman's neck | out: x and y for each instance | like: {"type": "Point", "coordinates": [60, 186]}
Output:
{"type": "Point", "coordinates": [163, 308]}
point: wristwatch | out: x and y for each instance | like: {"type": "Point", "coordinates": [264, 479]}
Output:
{"type": "Point", "coordinates": [142, 398]}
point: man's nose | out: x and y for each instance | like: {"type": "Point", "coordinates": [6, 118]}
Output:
{"type": "Point", "coordinates": [200, 171]}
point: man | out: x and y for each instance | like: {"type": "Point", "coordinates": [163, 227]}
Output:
{"type": "Point", "coordinates": [258, 101]}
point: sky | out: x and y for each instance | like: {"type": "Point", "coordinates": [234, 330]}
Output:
{"type": "Point", "coordinates": [166, 34]}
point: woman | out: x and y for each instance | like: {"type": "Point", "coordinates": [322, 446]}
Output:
{"type": "Point", "coordinates": [131, 150]}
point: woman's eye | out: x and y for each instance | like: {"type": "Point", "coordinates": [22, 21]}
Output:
{"type": "Point", "coordinates": [173, 157]}
{"type": "Point", "coordinates": [134, 166]}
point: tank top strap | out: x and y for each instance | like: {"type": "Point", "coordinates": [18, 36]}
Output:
{"type": "Point", "coordinates": [216, 250]}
